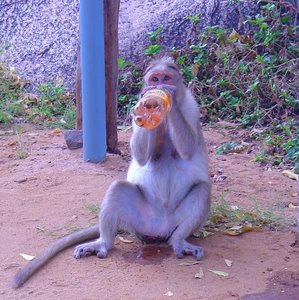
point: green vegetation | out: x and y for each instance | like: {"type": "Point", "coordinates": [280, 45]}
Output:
{"type": "Point", "coordinates": [281, 144]}
{"type": "Point", "coordinates": [21, 152]}
{"type": "Point", "coordinates": [129, 84]}
{"type": "Point", "coordinates": [55, 107]}
{"type": "Point", "coordinates": [248, 77]}
{"type": "Point", "coordinates": [156, 40]}
{"type": "Point", "coordinates": [92, 208]}
{"type": "Point", "coordinates": [224, 215]}
{"type": "Point", "coordinates": [52, 106]}
{"type": "Point", "coordinates": [10, 93]}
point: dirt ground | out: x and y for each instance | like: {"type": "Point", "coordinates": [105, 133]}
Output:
{"type": "Point", "coordinates": [53, 192]}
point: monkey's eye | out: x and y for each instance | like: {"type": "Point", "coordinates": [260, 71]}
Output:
{"type": "Point", "coordinates": [155, 79]}
{"type": "Point", "coordinates": [166, 78]}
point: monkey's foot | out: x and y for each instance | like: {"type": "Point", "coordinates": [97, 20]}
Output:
{"type": "Point", "coordinates": [183, 248]}
{"type": "Point", "coordinates": [97, 248]}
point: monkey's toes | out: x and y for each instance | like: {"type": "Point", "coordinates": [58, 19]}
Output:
{"type": "Point", "coordinates": [82, 252]}
{"type": "Point", "coordinates": [102, 253]}
{"type": "Point", "coordinates": [189, 249]}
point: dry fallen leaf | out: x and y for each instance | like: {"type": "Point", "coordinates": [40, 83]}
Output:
{"type": "Point", "coordinates": [40, 228]}
{"type": "Point", "coordinates": [202, 234]}
{"type": "Point", "coordinates": [219, 178]}
{"type": "Point", "coordinates": [12, 143]}
{"type": "Point", "coordinates": [125, 240]}
{"type": "Point", "coordinates": [232, 147]}
{"type": "Point", "coordinates": [216, 218]}
{"type": "Point", "coordinates": [199, 274]}
{"type": "Point", "coordinates": [234, 207]}
{"type": "Point", "coordinates": [237, 227]}
{"type": "Point", "coordinates": [290, 174]}
{"type": "Point", "coordinates": [234, 35]}
{"type": "Point", "coordinates": [291, 205]}
{"type": "Point", "coordinates": [169, 294]}
{"type": "Point", "coordinates": [9, 132]}
{"type": "Point", "coordinates": [57, 131]}
{"type": "Point", "coordinates": [27, 257]}
{"type": "Point", "coordinates": [228, 262]}
{"type": "Point", "coordinates": [220, 273]}
{"type": "Point", "coordinates": [189, 263]}
{"type": "Point", "coordinates": [21, 179]}
{"type": "Point", "coordinates": [195, 69]}
{"type": "Point", "coordinates": [237, 230]}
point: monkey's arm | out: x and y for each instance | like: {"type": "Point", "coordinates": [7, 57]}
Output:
{"type": "Point", "coordinates": [183, 130]}
{"type": "Point", "coordinates": [143, 143]}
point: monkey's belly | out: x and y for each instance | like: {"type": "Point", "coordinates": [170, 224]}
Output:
{"type": "Point", "coordinates": [167, 181]}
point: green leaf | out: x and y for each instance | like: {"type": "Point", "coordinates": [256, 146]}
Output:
{"type": "Point", "coordinates": [152, 50]}
{"type": "Point", "coordinates": [285, 19]}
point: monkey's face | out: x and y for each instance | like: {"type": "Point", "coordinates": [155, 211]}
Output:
{"type": "Point", "coordinates": [162, 75]}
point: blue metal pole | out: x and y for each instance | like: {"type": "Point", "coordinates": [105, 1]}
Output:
{"type": "Point", "coordinates": [93, 80]}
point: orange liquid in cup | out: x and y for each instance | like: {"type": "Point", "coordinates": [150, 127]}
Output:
{"type": "Point", "coordinates": [151, 116]}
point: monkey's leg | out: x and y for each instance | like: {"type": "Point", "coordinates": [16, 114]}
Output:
{"type": "Point", "coordinates": [123, 206]}
{"type": "Point", "coordinates": [191, 214]}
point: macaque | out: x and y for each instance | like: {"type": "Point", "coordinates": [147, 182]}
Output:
{"type": "Point", "coordinates": [166, 195]}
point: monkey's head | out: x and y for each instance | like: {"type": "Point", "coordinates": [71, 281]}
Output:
{"type": "Point", "coordinates": [163, 71]}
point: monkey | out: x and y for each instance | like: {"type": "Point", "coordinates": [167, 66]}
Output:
{"type": "Point", "coordinates": [166, 195]}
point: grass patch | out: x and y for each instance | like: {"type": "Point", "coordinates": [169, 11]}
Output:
{"type": "Point", "coordinates": [51, 106]}
{"type": "Point", "coordinates": [22, 150]}
{"type": "Point", "coordinates": [92, 208]}
{"type": "Point", "coordinates": [224, 215]}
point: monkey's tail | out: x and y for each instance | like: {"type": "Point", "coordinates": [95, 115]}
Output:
{"type": "Point", "coordinates": [70, 240]}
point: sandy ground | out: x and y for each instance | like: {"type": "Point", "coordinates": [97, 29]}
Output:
{"type": "Point", "coordinates": [53, 192]}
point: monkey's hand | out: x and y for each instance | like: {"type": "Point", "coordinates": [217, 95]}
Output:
{"type": "Point", "coordinates": [146, 89]}
{"type": "Point", "coordinates": [171, 89]}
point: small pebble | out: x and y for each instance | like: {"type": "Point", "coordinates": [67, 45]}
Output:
{"type": "Point", "coordinates": [21, 179]}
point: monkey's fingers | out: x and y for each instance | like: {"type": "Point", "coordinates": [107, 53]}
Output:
{"type": "Point", "coordinates": [92, 248]}
{"type": "Point", "coordinates": [146, 89]}
{"type": "Point", "coordinates": [184, 248]}
{"type": "Point", "coordinates": [169, 88]}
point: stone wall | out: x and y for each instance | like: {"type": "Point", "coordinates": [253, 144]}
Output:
{"type": "Point", "coordinates": [39, 38]}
